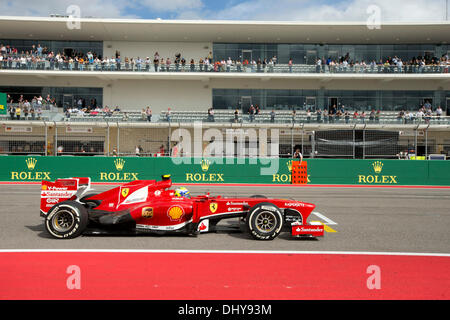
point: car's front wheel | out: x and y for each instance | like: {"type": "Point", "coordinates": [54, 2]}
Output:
{"type": "Point", "coordinates": [264, 221]}
{"type": "Point", "coordinates": [66, 220]}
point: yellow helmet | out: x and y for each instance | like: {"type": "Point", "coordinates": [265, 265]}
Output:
{"type": "Point", "coordinates": [182, 192]}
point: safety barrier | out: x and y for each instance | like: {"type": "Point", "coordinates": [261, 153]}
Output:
{"type": "Point", "coordinates": [226, 170]}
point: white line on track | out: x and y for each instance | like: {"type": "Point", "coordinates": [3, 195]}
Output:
{"type": "Point", "coordinates": [223, 251]}
{"type": "Point", "coordinates": [321, 216]}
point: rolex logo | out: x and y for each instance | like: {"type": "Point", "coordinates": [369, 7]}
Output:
{"type": "Point", "coordinates": [205, 165]}
{"type": "Point", "coordinates": [119, 163]}
{"type": "Point", "coordinates": [289, 165]}
{"type": "Point", "coordinates": [377, 166]}
{"type": "Point", "coordinates": [31, 163]}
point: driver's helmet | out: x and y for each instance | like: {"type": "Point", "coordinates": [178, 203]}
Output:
{"type": "Point", "coordinates": [182, 192]}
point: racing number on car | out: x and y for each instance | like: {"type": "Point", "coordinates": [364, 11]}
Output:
{"type": "Point", "coordinates": [213, 207]}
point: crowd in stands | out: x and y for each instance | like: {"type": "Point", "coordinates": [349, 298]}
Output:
{"type": "Point", "coordinates": [24, 109]}
{"type": "Point", "coordinates": [425, 113]}
{"type": "Point", "coordinates": [42, 58]}
{"type": "Point", "coordinates": [388, 65]}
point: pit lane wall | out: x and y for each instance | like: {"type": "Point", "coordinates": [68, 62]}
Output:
{"type": "Point", "coordinates": [228, 170]}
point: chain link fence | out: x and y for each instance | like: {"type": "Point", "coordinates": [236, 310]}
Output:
{"type": "Point", "coordinates": [119, 139]}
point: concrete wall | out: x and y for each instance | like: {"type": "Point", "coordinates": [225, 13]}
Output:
{"type": "Point", "coordinates": [159, 95]}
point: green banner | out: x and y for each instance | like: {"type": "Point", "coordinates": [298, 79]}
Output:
{"type": "Point", "coordinates": [3, 104]}
{"type": "Point", "coordinates": [232, 170]}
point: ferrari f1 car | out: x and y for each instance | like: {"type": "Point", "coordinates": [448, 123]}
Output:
{"type": "Point", "coordinates": [149, 206]}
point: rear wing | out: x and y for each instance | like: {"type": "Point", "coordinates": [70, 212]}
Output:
{"type": "Point", "coordinates": [62, 190]}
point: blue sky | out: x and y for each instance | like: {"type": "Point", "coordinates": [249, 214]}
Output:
{"type": "Point", "coordinates": [263, 10]}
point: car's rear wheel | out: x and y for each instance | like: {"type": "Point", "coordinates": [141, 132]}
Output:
{"type": "Point", "coordinates": [264, 221]}
{"type": "Point", "coordinates": [66, 220]}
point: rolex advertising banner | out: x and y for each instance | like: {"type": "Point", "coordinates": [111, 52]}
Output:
{"type": "Point", "coordinates": [225, 171]}
{"type": "Point", "coordinates": [3, 104]}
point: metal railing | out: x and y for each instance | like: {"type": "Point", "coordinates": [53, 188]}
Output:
{"type": "Point", "coordinates": [46, 65]}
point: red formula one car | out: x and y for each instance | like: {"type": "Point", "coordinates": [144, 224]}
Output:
{"type": "Point", "coordinates": [149, 206]}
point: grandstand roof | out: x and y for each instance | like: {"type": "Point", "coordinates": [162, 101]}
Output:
{"type": "Point", "coordinates": [95, 29]}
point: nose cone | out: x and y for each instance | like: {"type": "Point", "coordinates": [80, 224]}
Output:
{"type": "Point", "coordinates": [308, 208]}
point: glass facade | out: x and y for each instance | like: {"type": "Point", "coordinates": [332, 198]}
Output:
{"type": "Point", "coordinates": [69, 48]}
{"type": "Point", "coordinates": [65, 97]}
{"type": "Point", "coordinates": [309, 53]}
{"type": "Point", "coordinates": [360, 100]}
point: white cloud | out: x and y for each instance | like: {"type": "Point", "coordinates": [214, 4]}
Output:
{"type": "Point", "coordinates": [177, 6]}
{"type": "Point", "coordinates": [266, 10]}
{"type": "Point", "coordinates": [43, 8]}
{"type": "Point", "coordinates": [316, 11]}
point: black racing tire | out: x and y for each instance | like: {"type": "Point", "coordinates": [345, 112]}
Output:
{"type": "Point", "coordinates": [90, 203]}
{"type": "Point", "coordinates": [258, 196]}
{"type": "Point", "coordinates": [264, 221]}
{"type": "Point", "coordinates": [66, 220]}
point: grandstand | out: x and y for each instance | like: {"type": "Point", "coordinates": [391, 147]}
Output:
{"type": "Point", "coordinates": [295, 76]}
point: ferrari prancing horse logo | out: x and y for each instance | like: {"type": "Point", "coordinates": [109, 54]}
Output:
{"type": "Point", "coordinates": [213, 207]}
{"type": "Point", "coordinates": [125, 192]}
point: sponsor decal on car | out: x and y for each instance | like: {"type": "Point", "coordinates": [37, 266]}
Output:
{"type": "Point", "coordinates": [147, 212]}
{"type": "Point", "coordinates": [57, 194]}
{"type": "Point", "coordinates": [244, 203]}
{"type": "Point", "coordinates": [294, 204]}
{"type": "Point", "coordinates": [175, 213]}
{"type": "Point", "coordinates": [204, 226]}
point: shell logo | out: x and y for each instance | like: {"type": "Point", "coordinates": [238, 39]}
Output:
{"type": "Point", "coordinates": [175, 213]}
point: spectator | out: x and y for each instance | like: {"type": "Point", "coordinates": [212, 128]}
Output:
{"type": "Point", "coordinates": [347, 117]}
{"type": "Point", "coordinates": [138, 151]}
{"type": "Point", "coordinates": [168, 114]}
{"type": "Point", "coordinates": [175, 150]}
{"type": "Point", "coordinates": [32, 113]}
{"type": "Point", "coordinates": [236, 115]}
{"type": "Point", "coordinates": [363, 117]}
{"type": "Point", "coordinates": [12, 111]}
{"type": "Point", "coordinates": [319, 116]}
{"type": "Point", "coordinates": [372, 116]}
{"type": "Point", "coordinates": [18, 112]}
{"type": "Point", "coordinates": [298, 155]}
{"type": "Point", "coordinates": [148, 112]}
{"type": "Point", "coordinates": [251, 112]}
{"type": "Point", "coordinates": [211, 115]}
{"type": "Point", "coordinates": [308, 116]}
{"type": "Point", "coordinates": [272, 116]}
{"type": "Point", "coordinates": [439, 112]}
